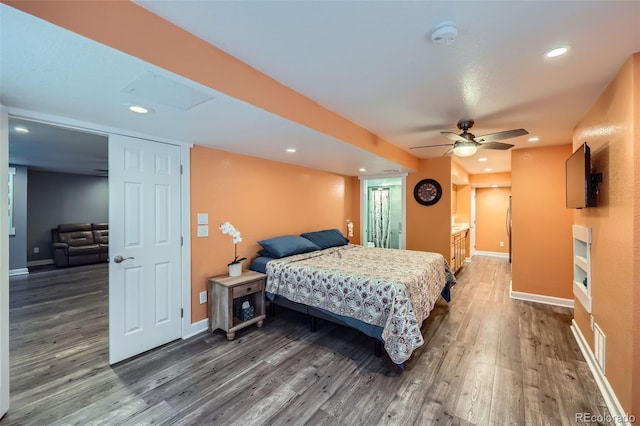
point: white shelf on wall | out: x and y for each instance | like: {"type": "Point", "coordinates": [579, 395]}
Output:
{"type": "Point", "coordinates": [582, 265]}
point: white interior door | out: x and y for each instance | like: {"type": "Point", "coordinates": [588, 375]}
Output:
{"type": "Point", "coordinates": [144, 246]}
{"type": "Point", "coordinates": [4, 263]}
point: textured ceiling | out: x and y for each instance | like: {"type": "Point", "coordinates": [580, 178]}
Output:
{"type": "Point", "coordinates": [371, 62]}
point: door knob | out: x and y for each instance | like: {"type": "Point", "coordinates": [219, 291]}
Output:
{"type": "Point", "coordinates": [120, 259]}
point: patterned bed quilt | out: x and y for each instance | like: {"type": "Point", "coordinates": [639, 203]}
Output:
{"type": "Point", "coordinates": [393, 289]}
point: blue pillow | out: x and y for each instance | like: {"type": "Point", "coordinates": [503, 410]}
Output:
{"type": "Point", "coordinates": [327, 238]}
{"type": "Point", "coordinates": [265, 253]}
{"type": "Point", "coordinates": [287, 245]}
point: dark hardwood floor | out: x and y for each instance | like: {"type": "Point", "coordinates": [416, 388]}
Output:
{"type": "Point", "coordinates": [487, 360]}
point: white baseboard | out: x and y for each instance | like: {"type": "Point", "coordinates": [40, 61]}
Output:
{"type": "Point", "coordinates": [492, 253]}
{"type": "Point", "coordinates": [619, 417]}
{"type": "Point", "coordinates": [20, 271]}
{"type": "Point", "coordinates": [538, 298]}
{"type": "Point", "coordinates": [195, 328]}
{"type": "Point", "coordinates": [40, 262]}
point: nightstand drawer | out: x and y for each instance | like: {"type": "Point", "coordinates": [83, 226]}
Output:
{"type": "Point", "coordinates": [249, 288]}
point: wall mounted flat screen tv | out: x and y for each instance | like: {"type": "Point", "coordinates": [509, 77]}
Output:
{"type": "Point", "coordinates": [581, 188]}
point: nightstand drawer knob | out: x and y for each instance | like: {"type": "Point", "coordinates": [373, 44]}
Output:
{"type": "Point", "coordinates": [249, 290]}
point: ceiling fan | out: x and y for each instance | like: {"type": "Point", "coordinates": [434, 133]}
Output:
{"type": "Point", "coordinates": [466, 144]}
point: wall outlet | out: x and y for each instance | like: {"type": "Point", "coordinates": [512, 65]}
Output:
{"type": "Point", "coordinates": [203, 297]}
{"type": "Point", "coordinates": [36, 249]}
{"type": "Point", "coordinates": [501, 243]}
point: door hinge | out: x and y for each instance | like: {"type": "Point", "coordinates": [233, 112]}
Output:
{"type": "Point", "coordinates": [180, 168]}
{"type": "Point", "coordinates": [181, 241]}
{"type": "Point", "coordinates": [181, 312]}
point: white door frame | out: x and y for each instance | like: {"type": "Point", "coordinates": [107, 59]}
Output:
{"type": "Point", "coordinates": [472, 223]}
{"type": "Point", "coordinates": [363, 205]}
{"type": "Point", "coordinates": [4, 262]}
{"type": "Point", "coordinates": [188, 329]}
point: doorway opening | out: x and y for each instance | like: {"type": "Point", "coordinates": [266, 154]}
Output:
{"type": "Point", "coordinates": [49, 151]}
{"type": "Point", "coordinates": [61, 178]}
{"type": "Point", "coordinates": [492, 221]}
{"type": "Point", "coordinates": [383, 212]}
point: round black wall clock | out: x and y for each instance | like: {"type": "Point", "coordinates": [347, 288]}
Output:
{"type": "Point", "coordinates": [427, 192]}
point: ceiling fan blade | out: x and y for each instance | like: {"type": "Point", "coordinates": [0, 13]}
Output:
{"type": "Point", "coordinates": [430, 146]}
{"type": "Point", "coordinates": [431, 128]}
{"type": "Point", "coordinates": [454, 136]}
{"type": "Point", "coordinates": [498, 136]}
{"type": "Point", "coordinates": [495, 145]}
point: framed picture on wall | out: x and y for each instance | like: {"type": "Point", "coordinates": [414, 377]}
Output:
{"type": "Point", "coordinates": [12, 229]}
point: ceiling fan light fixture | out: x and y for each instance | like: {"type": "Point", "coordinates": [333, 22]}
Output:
{"type": "Point", "coordinates": [465, 149]}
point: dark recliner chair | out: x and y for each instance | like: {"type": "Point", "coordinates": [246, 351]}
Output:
{"type": "Point", "coordinates": [80, 243]}
{"type": "Point", "coordinates": [101, 236]}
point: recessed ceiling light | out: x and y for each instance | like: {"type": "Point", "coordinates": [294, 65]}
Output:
{"type": "Point", "coordinates": [362, 169]}
{"type": "Point", "coordinates": [533, 139]}
{"type": "Point", "coordinates": [21, 129]}
{"type": "Point", "coordinates": [557, 51]}
{"type": "Point", "coordinates": [488, 169]}
{"type": "Point", "coordinates": [481, 159]}
{"type": "Point", "coordinates": [292, 150]}
{"type": "Point", "coordinates": [140, 109]}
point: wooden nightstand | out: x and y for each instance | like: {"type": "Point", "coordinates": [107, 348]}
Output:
{"type": "Point", "coordinates": [226, 295]}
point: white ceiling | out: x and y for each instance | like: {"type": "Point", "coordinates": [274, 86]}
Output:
{"type": "Point", "coordinates": [372, 62]}
{"type": "Point", "coordinates": [57, 149]}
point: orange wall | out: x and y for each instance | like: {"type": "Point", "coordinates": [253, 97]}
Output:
{"type": "Point", "coordinates": [491, 211]}
{"type": "Point", "coordinates": [429, 227]}
{"type": "Point", "coordinates": [460, 178]}
{"type": "Point", "coordinates": [176, 50]}
{"type": "Point", "coordinates": [463, 213]}
{"type": "Point", "coordinates": [458, 174]}
{"type": "Point", "coordinates": [262, 199]}
{"type": "Point", "coordinates": [542, 248]}
{"type": "Point", "coordinates": [354, 209]}
{"type": "Point", "coordinates": [463, 204]}
{"type": "Point", "coordinates": [635, 380]}
{"type": "Point", "coordinates": [609, 128]}
{"type": "Point", "coordinates": [503, 178]}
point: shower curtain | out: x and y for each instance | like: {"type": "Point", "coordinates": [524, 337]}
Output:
{"type": "Point", "coordinates": [379, 217]}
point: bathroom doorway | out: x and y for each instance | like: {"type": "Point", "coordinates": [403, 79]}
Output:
{"type": "Point", "coordinates": [383, 212]}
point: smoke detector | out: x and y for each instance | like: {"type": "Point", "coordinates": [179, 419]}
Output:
{"type": "Point", "coordinates": [445, 34]}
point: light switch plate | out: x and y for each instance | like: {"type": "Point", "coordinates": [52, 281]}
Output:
{"type": "Point", "coordinates": [203, 230]}
{"type": "Point", "coordinates": [203, 297]}
{"type": "Point", "coordinates": [203, 218]}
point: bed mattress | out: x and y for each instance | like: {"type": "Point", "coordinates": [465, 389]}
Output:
{"type": "Point", "coordinates": [391, 289]}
